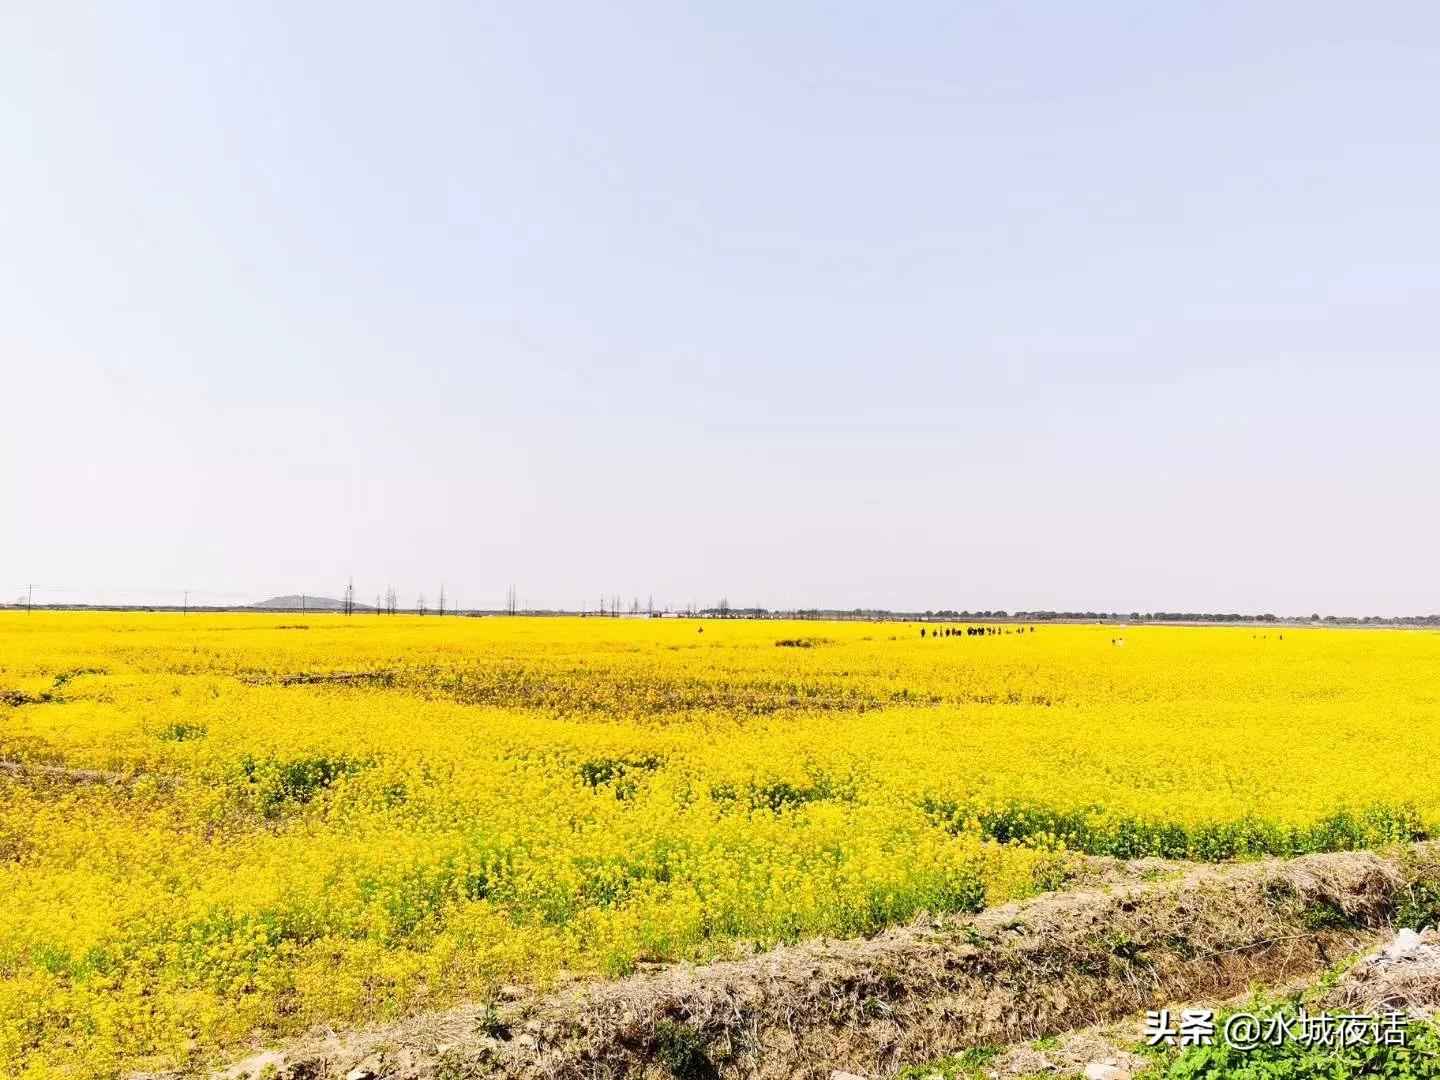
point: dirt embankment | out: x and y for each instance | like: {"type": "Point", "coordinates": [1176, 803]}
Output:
{"type": "Point", "coordinates": [1054, 964]}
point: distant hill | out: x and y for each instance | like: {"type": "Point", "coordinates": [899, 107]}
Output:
{"type": "Point", "coordinates": [295, 602]}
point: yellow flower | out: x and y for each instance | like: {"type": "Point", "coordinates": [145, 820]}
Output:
{"type": "Point", "coordinates": [373, 814]}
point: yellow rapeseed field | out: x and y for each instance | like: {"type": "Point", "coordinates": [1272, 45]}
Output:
{"type": "Point", "coordinates": [251, 824]}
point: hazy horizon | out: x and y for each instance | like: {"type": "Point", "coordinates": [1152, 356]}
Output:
{"type": "Point", "coordinates": [1120, 308]}
{"type": "Point", "coordinates": [42, 597]}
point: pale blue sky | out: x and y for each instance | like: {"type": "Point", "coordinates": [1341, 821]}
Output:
{"type": "Point", "coordinates": [1112, 306]}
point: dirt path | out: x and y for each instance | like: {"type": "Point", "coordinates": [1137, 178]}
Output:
{"type": "Point", "coordinates": [19, 770]}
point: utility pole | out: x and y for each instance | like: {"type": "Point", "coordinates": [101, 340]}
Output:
{"type": "Point", "coordinates": [302, 603]}
{"type": "Point", "coordinates": [29, 596]}
{"type": "Point", "coordinates": [185, 609]}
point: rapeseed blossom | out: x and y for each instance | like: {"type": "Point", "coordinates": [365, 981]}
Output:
{"type": "Point", "coordinates": [253, 823]}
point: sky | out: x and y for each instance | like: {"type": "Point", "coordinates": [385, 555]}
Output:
{"type": "Point", "coordinates": [1113, 306]}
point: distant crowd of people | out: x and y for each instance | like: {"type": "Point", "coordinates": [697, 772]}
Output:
{"type": "Point", "coordinates": [974, 631]}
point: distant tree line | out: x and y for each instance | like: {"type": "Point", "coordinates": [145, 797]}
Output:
{"type": "Point", "coordinates": [613, 606]}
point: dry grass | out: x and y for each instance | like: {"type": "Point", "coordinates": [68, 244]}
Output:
{"type": "Point", "coordinates": [1410, 985]}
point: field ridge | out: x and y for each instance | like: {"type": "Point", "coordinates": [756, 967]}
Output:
{"type": "Point", "coordinates": [1053, 964]}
